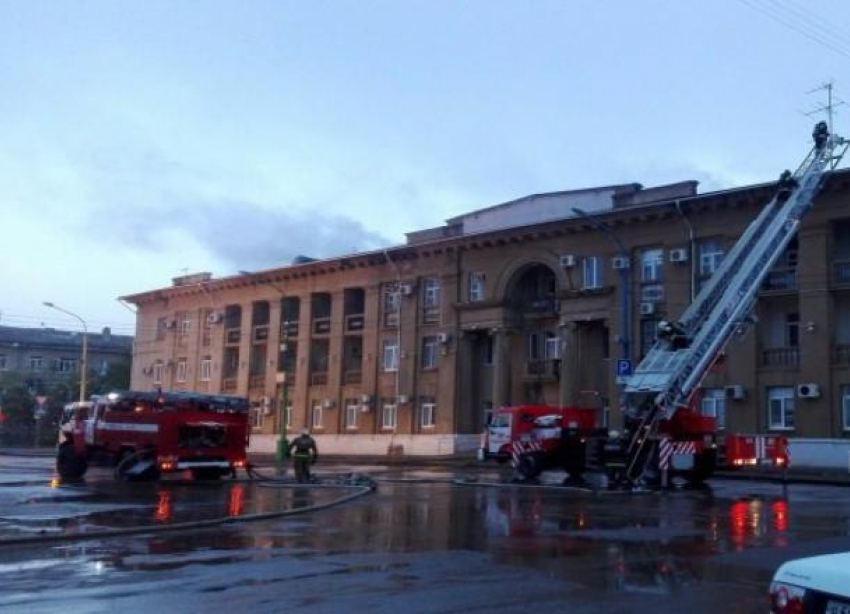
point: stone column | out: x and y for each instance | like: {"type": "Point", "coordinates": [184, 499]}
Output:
{"type": "Point", "coordinates": [568, 391]}
{"type": "Point", "coordinates": [501, 367]}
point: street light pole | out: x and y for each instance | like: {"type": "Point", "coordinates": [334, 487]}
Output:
{"type": "Point", "coordinates": [84, 360]}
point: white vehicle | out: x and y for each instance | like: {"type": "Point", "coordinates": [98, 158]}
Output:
{"type": "Point", "coordinates": [813, 584]}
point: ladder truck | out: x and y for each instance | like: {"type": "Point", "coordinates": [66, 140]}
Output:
{"type": "Point", "coordinates": [663, 428]}
{"type": "Point", "coordinates": [665, 382]}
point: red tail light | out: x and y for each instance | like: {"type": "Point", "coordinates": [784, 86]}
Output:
{"type": "Point", "coordinates": [786, 598]}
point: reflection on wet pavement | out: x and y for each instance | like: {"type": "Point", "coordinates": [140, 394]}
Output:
{"type": "Point", "coordinates": [410, 542]}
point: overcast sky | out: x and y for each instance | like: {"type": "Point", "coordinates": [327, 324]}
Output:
{"type": "Point", "coordinates": [141, 140]}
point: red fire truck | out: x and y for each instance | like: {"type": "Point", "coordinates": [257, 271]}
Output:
{"type": "Point", "coordinates": [143, 434]}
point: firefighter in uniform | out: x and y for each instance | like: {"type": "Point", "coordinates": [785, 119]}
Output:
{"type": "Point", "coordinates": [304, 454]}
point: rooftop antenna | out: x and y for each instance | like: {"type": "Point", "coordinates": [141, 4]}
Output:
{"type": "Point", "coordinates": [829, 106]}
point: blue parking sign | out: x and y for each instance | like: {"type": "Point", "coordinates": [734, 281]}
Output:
{"type": "Point", "coordinates": [624, 367]}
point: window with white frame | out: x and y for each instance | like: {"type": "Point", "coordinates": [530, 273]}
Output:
{"type": "Point", "coordinates": [36, 363]}
{"type": "Point", "coordinates": [257, 416]}
{"type": "Point", "coordinates": [206, 369]}
{"type": "Point", "coordinates": [391, 302]}
{"type": "Point", "coordinates": [476, 286]}
{"type": "Point", "coordinates": [552, 347]}
{"type": "Point", "coordinates": [430, 292]}
{"type": "Point", "coordinates": [351, 411]}
{"type": "Point", "coordinates": [158, 366]}
{"type": "Point", "coordinates": [64, 365]}
{"type": "Point", "coordinates": [591, 268]}
{"type": "Point", "coordinates": [845, 407]}
{"type": "Point", "coordinates": [389, 355]}
{"type": "Point", "coordinates": [185, 324]}
{"type": "Point", "coordinates": [780, 407]}
{"type": "Point", "coordinates": [102, 367]}
{"type": "Point", "coordinates": [713, 405]}
{"type": "Point", "coordinates": [318, 417]}
{"type": "Point", "coordinates": [4, 362]}
{"type": "Point", "coordinates": [427, 409]}
{"type": "Point", "coordinates": [389, 416]}
{"type": "Point", "coordinates": [651, 263]}
{"type": "Point", "coordinates": [430, 352]}
{"type": "Point", "coordinates": [710, 257]}
{"type": "Point", "coordinates": [182, 368]}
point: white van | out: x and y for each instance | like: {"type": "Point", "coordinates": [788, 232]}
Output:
{"type": "Point", "coordinates": [813, 584]}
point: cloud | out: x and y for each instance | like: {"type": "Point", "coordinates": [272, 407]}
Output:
{"type": "Point", "coordinates": [243, 234]}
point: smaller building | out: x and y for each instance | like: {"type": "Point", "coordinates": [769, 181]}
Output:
{"type": "Point", "coordinates": [42, 357]}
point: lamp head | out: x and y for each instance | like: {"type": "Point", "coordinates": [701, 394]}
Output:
{"type": "Point", "coordinates": [48, 304]}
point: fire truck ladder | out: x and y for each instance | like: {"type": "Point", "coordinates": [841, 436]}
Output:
{"type": "Point", "coordinates": [667, 377]}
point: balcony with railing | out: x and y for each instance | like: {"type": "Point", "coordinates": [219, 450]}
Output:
{"type": "Point", "coordinates": [288, 329]}
{"type": "Point", "coordinates": [229, 384]}
{"type": "Point", "coordinates": [841, 272]}
{"type": "Point", "coordinates": [784, 357]}
{"type": "Point", "coordinates": [541, 369]}
{"type": "Point", "coordinates": [319, 378]}
{"type": "Point", "coordinates": [841, 354]}
{"type": "Point", "coordinates": [321, 326]}
{"type": "Point", "coordinates": [355, 322]}
{"type": "Point", "coordinates": [260, 334]}
{"type": "Point", "coordinates": [256, 382]}
{"type": "Point", "coordinates": [232, 336]}
{"type": "Point", "coordinates": [780, 280]}
{"type": "Point", "coordinates": [352, 376]}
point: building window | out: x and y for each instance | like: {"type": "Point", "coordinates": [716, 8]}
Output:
{"type": "Point", "coordinates": [161, 328]}
{"type": "Point", "coordinates": [36, 363]}
{"type": "Point", "coordinates": [206, 369]}
{"type": "Point", "coordinates": [713, 405]}
{"type": "Point", "coordinates": [181, 370]}
{"type": "Point", "coordinates": [103, 367]}
{"type": "Point", "coordinates": [651, 293]}
{"type": "Point", "coordinates": [157, 372]}
{"type": "Point", "coordinates": [792, 330]}
{"type": "Point", "coordinates": [431, 300]}
{"type": "Point", "coordinates": [185, 324]}
{"type": "Point", "coordinates": [845, 407]}
{"type": "Point", "coordinates": [318, 418]}
{"type": "Point", "coordinates": [710, 257]}
{"type": "Point", "coordinates": [351, 410]}
{"type": "Point", "coordinates": [533, 346]}
{"type": "Point", "coordinates": [389, 416]}
{"type": "Point", "coordinates": [552, 347]}
{"type": "Point", "coordinates": [389, 360]}
{"type": "Point", "coordinates": [391, 301]}
{"type": "Point", "coordinates": [591, 268]}
{"type": "Point", "coordinates": [257, 416]}
{"type": "Point", "coordinates": [4, 364]}
{"type": "Point", "coordinates": [780, 402]}
{"type": "Point", "coordinates": [476, 287]}
{"type": "Point", "coordinates": [430, 352]}
{"type": "Point", "coordinates": [651, 262]}
{"type": "Point", "coordinates": [427, 409]}
{"type": "Point", "coordinates": [648, 335]}
{"type": "Point", "coordinates": [64, 365]}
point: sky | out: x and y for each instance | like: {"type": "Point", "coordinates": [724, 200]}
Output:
{"type": "Point", "coordinates": [140, 141]}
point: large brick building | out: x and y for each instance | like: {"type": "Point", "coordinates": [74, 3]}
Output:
{"type": "Point", "coordinates": [407, 349]}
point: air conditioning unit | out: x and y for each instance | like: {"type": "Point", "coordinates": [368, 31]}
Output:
{"type": "Point", "coordinates": [619, 263]}
{"type": "Point", "coordinates": [808, 391]}
{"type": "Point", "coordinates": [647, 309]}
{"type": "Point", "coordinates": [147, 371]}
{"type": "Point", "coordinates": [403, 398]}
{"type": "Point", "coordinates": [443, 337]}
{"type": "Point", "coordinates": [567, 261]}
{"type": "Point", "coordinates": [678, 255]}
{"type": "Point", "coordinates": [736, 392]}
{"type": "Point", "coordinates": [328, 404]}
{"type": "Point", "coordinates": [406, 289]}
{"type": "Point", "coordinates": [365, 399]}
{"type": "Point", "coordinates": [214, 317]}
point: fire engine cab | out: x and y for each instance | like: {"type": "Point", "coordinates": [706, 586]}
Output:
{"type": "Point", "coordinates": [144, 434]}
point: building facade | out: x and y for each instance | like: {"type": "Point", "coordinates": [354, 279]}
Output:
{"type": "Point", "coordinates": [42, 357]}
{"type": "Point", "coordinates": [407, 350]}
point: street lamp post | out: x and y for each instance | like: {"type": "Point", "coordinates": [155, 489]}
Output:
{"type": "Point", "coordinates": [84, 360]}
{"type": "Point", "coordinates": [625, 284]}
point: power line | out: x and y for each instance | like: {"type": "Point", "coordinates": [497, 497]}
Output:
{"type": "Point", "coordinates": [814, 34]}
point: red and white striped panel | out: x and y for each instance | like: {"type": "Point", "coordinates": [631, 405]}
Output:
{"type": "Point", "coordinates": [518, 448]}
{"type": "Point", "coordinates": [667, 448]}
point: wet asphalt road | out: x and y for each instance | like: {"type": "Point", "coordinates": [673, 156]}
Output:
{"type": "Point", "coordinates": [409, 547]}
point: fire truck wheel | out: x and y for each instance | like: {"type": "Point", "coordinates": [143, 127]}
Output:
{"type": "Point", "coordinates": [529, 466]}
{"type": "Point", "coordinates": [206, 473]}
{"type": "Point", "coordinates": [69, 466]}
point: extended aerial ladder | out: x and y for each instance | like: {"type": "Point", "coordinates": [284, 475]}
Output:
{"type": "Point", "coordinates": [667, 378]}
